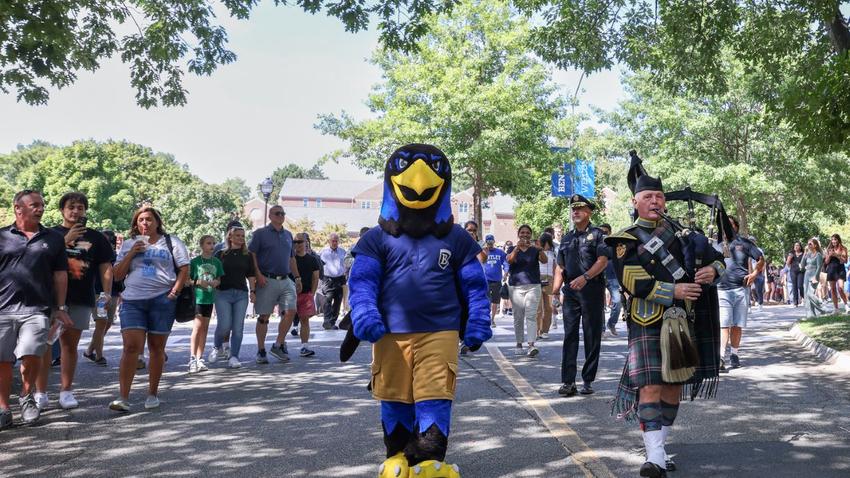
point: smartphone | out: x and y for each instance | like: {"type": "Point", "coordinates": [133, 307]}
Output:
{"type": "Point", "coordinates": [82, 221]}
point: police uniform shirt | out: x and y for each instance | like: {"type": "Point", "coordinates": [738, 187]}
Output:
{"type": "Point", "coordinates": [579, 250]}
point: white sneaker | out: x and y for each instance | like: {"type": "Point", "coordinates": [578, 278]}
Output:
{"type": "Point", "coordinates": [544, 336]}
{"type": "Point", "coordinates": [40, 401]}
{"type": "Point", "coordinates": [213, 355]}
{"type": "Point", "coordinates": [847, 308]}
{"type": "Point", "coordinates": [151, 402]}
{"type": "Point", "coordinates": [193, 365]}
{"type": "Point", "coordinates": [67, 400]}
{"type": "Point", "coordinates": [533, 351]}
{"type": "Point", "coordinates": [225, 354]}
{"type": "Point", "coordinates": [761, 308]}
{"type": "Point", "coordinates": [202, 366]}
{"type": "Point", "coordinates": [234, 362]}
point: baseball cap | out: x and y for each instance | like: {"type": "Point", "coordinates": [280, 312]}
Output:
{"type": "Point", "coordinates": [489, 237]}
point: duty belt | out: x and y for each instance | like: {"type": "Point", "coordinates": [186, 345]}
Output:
{"type": "Point", "coordinates": [654, 245]}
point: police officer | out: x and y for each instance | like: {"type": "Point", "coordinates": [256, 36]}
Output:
{"type": "Point", "coordinates": [582, 257]}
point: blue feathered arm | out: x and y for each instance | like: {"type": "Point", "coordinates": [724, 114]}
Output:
{"type": "Point", "coordinates": [473, 285]}
{"type": "Point", "coordinates": [364, 284]}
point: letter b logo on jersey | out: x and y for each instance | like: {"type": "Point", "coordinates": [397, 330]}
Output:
{"type": "Point", "coordinates": [445, 255]}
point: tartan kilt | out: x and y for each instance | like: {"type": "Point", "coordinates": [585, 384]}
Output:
{"type": "Point", "coordinates": [643, 365]}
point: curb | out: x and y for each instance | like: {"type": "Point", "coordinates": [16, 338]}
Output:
{"type": "Point", "coordinates": [838, 360]}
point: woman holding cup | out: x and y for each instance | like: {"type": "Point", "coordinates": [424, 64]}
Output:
{"type": "Point", "coordinates": [146, 263]}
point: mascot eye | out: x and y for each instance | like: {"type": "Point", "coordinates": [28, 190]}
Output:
{"type": "Point", "coordinates": [402, 163]}
{"type": "Point", "coordinates": [435, 166]}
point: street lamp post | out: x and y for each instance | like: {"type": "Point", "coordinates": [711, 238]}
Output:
{"type": "Point", "coordinates": [266, 188]}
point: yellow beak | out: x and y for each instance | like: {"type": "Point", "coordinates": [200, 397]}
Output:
{"type": "Point", "coordinates": [418, 177]}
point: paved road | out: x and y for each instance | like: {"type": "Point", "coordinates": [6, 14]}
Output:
{"type": "Point", "coordinates": [782, 414]}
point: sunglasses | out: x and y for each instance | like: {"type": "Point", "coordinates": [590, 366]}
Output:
{"type": "Point", "coordinates": [472, 230]}
{"type": "Point", "coordinates": [298, 242]}
{"type": "Point", "coordinates": [279, 213]}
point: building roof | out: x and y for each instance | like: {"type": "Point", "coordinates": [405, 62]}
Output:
{"type": "Point", "coordinates": [296, 188]}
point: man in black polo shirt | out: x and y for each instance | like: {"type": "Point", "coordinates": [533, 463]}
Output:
{"type": "Point", "coordinates": [33, 279]}
{"type": "Point", "coordinates": [582, 257]}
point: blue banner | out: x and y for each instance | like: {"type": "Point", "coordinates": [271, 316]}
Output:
{"type": "Point", "coordinates": [561, 185]}
{"type": "Point", "coordinates": [584, 178]}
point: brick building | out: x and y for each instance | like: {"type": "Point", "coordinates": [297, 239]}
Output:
{"type": "Point", "coordinates": [358, 203]}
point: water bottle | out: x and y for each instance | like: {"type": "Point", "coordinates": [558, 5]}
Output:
{"type": "Point", "coordinates": [55, 331]}
{"type": "Point", "coordinates": [102, 299]}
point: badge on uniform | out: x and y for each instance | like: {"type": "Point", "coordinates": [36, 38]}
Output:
{"type": "Point", "coordinates": [621, 250]}
{"type": "Point", "coordinates": [445, 255]}
{"type": "Point", "coordinates": [589, 237]}
{"type": "Point", "coordinates": [653, 244]}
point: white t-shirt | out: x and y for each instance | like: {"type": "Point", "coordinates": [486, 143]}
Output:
{"type": "Point", "coordinates": [152, 272]}
{"type": "Point", "coordinates": [548, 269]}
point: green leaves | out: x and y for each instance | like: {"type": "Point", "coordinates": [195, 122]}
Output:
{"type": "Point", "coordinates": [47, 42]}
{"type": "Point", "coordinates": [118, 177]}
{"type": "Point", "coordinates": [471, 89]}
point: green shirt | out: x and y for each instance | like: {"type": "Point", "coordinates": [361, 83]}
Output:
{"type": "Point", "coordinates": [204, 269]}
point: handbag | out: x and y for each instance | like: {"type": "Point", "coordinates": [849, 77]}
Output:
{"type": "Point", "coordinates": [184, 310]}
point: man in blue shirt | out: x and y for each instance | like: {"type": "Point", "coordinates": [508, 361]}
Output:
{"type": "Point", "coordinates": [494, 260]}
{"type": "Point", "coordinates": [613, 288]}
{"type": "Point", "coordinates": [276, 260]}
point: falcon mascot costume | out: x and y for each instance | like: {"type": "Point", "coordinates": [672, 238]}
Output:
{"type": "Point", "coordinates": [417, 289]}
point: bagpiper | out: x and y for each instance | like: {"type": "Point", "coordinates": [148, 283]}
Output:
{"type": "Point", "coordinates": [670, 274]}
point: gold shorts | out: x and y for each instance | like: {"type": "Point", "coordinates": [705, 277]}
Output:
{"type": "Point", "coordinates": [409, 368]}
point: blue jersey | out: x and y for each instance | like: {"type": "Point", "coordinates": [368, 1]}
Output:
{"type": "Point", "coordinates": [419, 288]}
{"type": "Point", "coordinates": [494, 266]}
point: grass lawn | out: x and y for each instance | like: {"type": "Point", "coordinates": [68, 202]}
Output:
{"type": "Point", "coordinates": [830, 330]}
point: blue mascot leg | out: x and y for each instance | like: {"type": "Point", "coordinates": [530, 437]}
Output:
{"type": "Point", "coordinates": [397, 420]}
{"type": "Point", "coordinates": [433, 419]}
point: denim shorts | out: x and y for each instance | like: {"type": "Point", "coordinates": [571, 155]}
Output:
{"type": "Point", "coordinates": [733, 306]}
{"type": "Point", "coordinates": [155, 316]}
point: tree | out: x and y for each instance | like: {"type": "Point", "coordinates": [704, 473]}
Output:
{"type": "Point", "coordinates": [800, 50]}
{"type": "Point", "coordinates": [281, 174]}
{"type": "Point", "coordinates": [118, 177]}
{"type": "Point", "coordinates": [473, 90]}
{"type": "Point", "coordinates": [724, 144]}
{"type": "Point", "coordinates": [238, 188]}
{"type": "Point", "coordinates": [88, 168]}
{"type": "Point", "coordinates": [48, 42]}
{"type": "Point", "coordinates": [192, 212]}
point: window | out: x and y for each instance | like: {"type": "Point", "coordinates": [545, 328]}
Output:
{"type": "Point", "coordinates": [463, 207]}
{"type": "Point", "coordinates": [306, 202]}
{"type": "Point", "coordinates": [318, 203]}
{"type": "Point", "coordinates": [365, 204]}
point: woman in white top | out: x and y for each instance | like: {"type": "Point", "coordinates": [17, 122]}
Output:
{"type": "Point", "coordinates": [547, 273]}
{"type": "Point", "coordinates": [147, 266]}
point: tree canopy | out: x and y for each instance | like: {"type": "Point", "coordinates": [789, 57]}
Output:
{"type": "Point", "coordinates": [472, 89]}
{"type": "Point", "coordinates": [118, 177]}
{"type": "Point", "coordinates": [800, 50]}
{"type": "Point", "coordinates": [725, 144]}
{"type": "Point", "coordinates": [46, 43]}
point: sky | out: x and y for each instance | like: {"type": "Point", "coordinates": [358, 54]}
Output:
{"type": "Point", "coordinates": [249, 117]}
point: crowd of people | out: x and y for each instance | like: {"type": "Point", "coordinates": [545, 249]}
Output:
{"type": "Point", "coordinates": [57, 280]}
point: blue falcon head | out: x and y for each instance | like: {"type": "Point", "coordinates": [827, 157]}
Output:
{"type": "Point", "coordinates": [417, 192]}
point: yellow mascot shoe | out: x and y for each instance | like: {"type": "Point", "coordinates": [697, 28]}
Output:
{"type": "Point", "coordinates": [394, 467]}
{"type": "Point", "coordinates": [434, 469]}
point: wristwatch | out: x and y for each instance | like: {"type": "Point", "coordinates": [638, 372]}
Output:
{"type": "Point", "coordinates": [586, 277]}
{"type": "Point", "coordinates": [63, 308]}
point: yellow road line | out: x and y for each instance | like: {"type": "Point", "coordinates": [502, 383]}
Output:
{"type": "Point", "coordinates": [580, 453]}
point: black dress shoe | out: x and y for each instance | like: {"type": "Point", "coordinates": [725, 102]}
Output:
{"type": "Point", "coordinates": [586, 389]}
{"type": "Point", "coordinates": [651, 470]}
{"type": "Point", "coordinates": [567, 390]}
{"type": "Point", "coordinates": [670, 465]}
